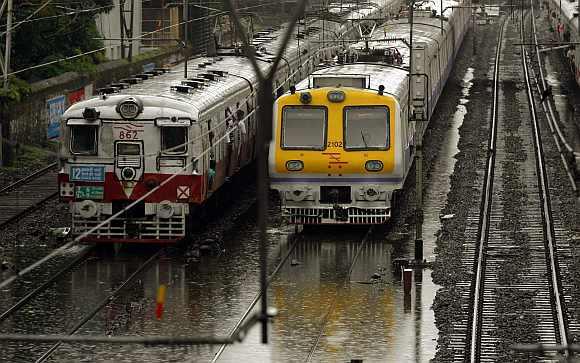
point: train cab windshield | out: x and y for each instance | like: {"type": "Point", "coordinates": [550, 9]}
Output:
{"type": "Point", "coordinates": [174, 140]}
{"type": "Point", "coordinates": [83, 139]}
{"type": "Point", "coordinates": [366, 128]}
{"type": "Point", "coordinates": [304, 127]}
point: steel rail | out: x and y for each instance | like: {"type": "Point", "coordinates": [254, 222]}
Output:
{"type": "Point", "coordinates": [548, 222]}
{"type": "Point", "coordinates": [485, 209]}
{"type": "Point", "coordinates": [103, 303]}
{"type": "Point", "coordinates": [83, 254]}
{"type": "Point", "coordinates": [559, 138]}
{"type": "Point", "coordinates": [334, 301]}
{"type": "Point", "coordinates": [257, 298]}
{"type": "Point", "coordinates": [28, 177]}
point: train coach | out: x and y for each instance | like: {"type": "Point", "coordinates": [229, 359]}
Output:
{"type": "Point", "coordinates": [343, 139]}
{"type": "Point", "coordinates": [141, 159]}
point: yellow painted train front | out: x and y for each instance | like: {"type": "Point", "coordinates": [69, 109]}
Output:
{"type": "Point", "coordinates": [335, 155]}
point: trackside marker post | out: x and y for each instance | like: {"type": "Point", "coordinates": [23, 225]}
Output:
{"type": "Point", "coordinates": [160, 301]}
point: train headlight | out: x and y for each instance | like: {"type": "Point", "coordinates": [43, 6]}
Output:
{"type": "Point", "coordinates": [374, 165]}
{"type": "Point", "coordinates": [165, 209]}
{"type": "Point", "coordinates": [128, 173]}
{"type": "Point", "coordinates": [87, 208]}
{"type": "Point", "coordinates": [305, 97]}
{"type": "Point", "coordinates": [298, 195]}
{"type": "Point", "coordinates": [372, 194]}
{"type": "Point", "coordinates": [129, 108]}
{"type": "Point", "coordinates": [336, 96]}
{"type": "Point", "coordinates": [294, 165]}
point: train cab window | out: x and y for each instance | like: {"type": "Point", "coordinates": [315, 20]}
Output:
{"type": "Point", "coordinates": [83, 139]}
{"type": "Point", "coordinates": [366, 128]}
{"type": "Point", "coordinates": [125, 148]}
{"type": "Point", "coordinates": [304, 127]}
{"type": "Point", "coordinates": [174, 140]}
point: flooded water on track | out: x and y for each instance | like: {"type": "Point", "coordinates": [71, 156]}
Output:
{"type": "Point", "coordinates": [325, 317]}
{"type": "Point", "coordinates": [439, 184]}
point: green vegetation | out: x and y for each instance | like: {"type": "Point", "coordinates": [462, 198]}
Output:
{"type": "Point", "coordinates": [56, 37]}
{"type": "Point", "coordinates": [30, 158]}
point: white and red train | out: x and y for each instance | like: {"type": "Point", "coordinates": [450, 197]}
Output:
{"type": "Point", "coordinates": [171, 142]}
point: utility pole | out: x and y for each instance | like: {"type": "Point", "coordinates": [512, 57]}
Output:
{"type": "Point", "coordinates": [126, 31]}
{"type": "Point", "coordinates": [8, 44]}
{"type": "Point", "coordinates": [185, 21]}
{"type": "Point", "coordinates": [418, 147]}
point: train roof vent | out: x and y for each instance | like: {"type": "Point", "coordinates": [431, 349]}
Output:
{"type": "Point", "coordinates": [182, 88]}
{"type": "Point", "coordinates": [193, 84]}
{"type": "Point", "coordinates": [208, 76]}
{"type": "Point", "coordinates": [121, 85]}
{"type": "Point", "coordinates": [218, 72]}
{"type": "Point", "coordinates": [161, 69]}
{"type": "Point", "coordinates": [107, 90]}
{"type": "Point", "coordinates": [152, 73]}
{"type": "Point", "coordinates": [335, 80]}
{"type": "Point", "coordinates": [143, 76]}
{"type": "Point", "coordinates": [132, 80]}
{"type": "Point", "coordinates": [198, 79]}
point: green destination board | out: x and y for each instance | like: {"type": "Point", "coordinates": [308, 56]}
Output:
{"type": "Point", "coordinates": [90, 192]}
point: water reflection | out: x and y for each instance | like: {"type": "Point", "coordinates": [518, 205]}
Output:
{"type": "Point", "coordinates": [364, 319]}
{"type": "Point", "coordinates": [439, 184]}
{"type": "Point", "coordinates": [206, 297]}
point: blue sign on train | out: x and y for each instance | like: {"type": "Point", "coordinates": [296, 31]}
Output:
{"type": "Point", "coordinates": [89, 173]}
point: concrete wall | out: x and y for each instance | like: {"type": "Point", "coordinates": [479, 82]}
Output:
{"type": "Point", "coordinates": [27, 121]}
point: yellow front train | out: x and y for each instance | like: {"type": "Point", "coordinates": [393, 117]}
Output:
{"type": "Point", "coordinates": [337, 153]}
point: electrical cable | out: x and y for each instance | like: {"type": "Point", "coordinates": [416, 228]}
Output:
{"type": "Point", "coordinates": [138, 38]}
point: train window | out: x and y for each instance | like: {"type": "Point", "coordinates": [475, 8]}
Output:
{"type": "Point", "coordinates": [366, 128]}
{"type": "Point", "coordinates": [83, 139]}
{"type": "Point", "coordinates": [173, 140]}
{"type": "Point", "coordinates": [304, 127]}
{"type": "Point", "coordinates": [125, 148]}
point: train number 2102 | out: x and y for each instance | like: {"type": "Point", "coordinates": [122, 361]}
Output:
{"type": "Point", "coordinates": [334, 144]}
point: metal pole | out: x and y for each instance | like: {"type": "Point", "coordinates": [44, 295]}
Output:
{"type": "Point", "coordinates": [8, 44]}
{"type": "Point", "coordinates": [185, 20]}
{"type": "Point", "coordinates": [130, 33]}
{"type": "Point", "coordinates": [441, 16]}
{"type": "Point", "coordinates": [418, 151]}
{"type": "Point", "coordinates": [122, 28]}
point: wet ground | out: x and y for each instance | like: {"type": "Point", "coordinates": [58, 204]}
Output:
{"type": "Point", "coordinates": [323, 316]}
{"type": "Point", "coordinates": [208, 294]}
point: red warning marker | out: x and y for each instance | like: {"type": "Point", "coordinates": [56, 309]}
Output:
{"type": "Point", "coordinates": [160, 301]}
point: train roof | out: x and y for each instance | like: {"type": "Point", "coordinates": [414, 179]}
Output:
{"type": "Point", "coordinates": [231, 73]}
{"type": "Point", "coordinates": [426, 31]}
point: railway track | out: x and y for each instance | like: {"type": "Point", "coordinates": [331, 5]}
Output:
{"type": "Point", "coordinates": [27, 193]}
{"type": "Point", "coordinates": [108, 299]}
{"type": "Point", "coordinates": [568, 155]}
{"type": "Point", "coordinates": [518, 243]}
{"type": "Point", "coordinates": [64, 317]}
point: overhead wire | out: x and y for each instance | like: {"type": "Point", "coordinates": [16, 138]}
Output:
{"type": "Point", "coordinates": [70, 13]}
{"type": "Point", "coordinates": [137, 38]}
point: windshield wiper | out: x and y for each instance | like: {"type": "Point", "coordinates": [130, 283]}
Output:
{"type": "Point", "coordinates": [363, 138]}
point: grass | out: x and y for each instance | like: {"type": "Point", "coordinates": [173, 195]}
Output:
{"type": "Point", "coordinates": [30, 157]}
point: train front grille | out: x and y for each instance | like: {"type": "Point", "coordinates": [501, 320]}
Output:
{"type": "Point", "coordinates": [335, 195]}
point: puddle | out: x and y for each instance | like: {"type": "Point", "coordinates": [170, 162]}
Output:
{"type": "Point", "coordinates": [371, 320]}
{"type": "Point", "coordinates": [439, 184]}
